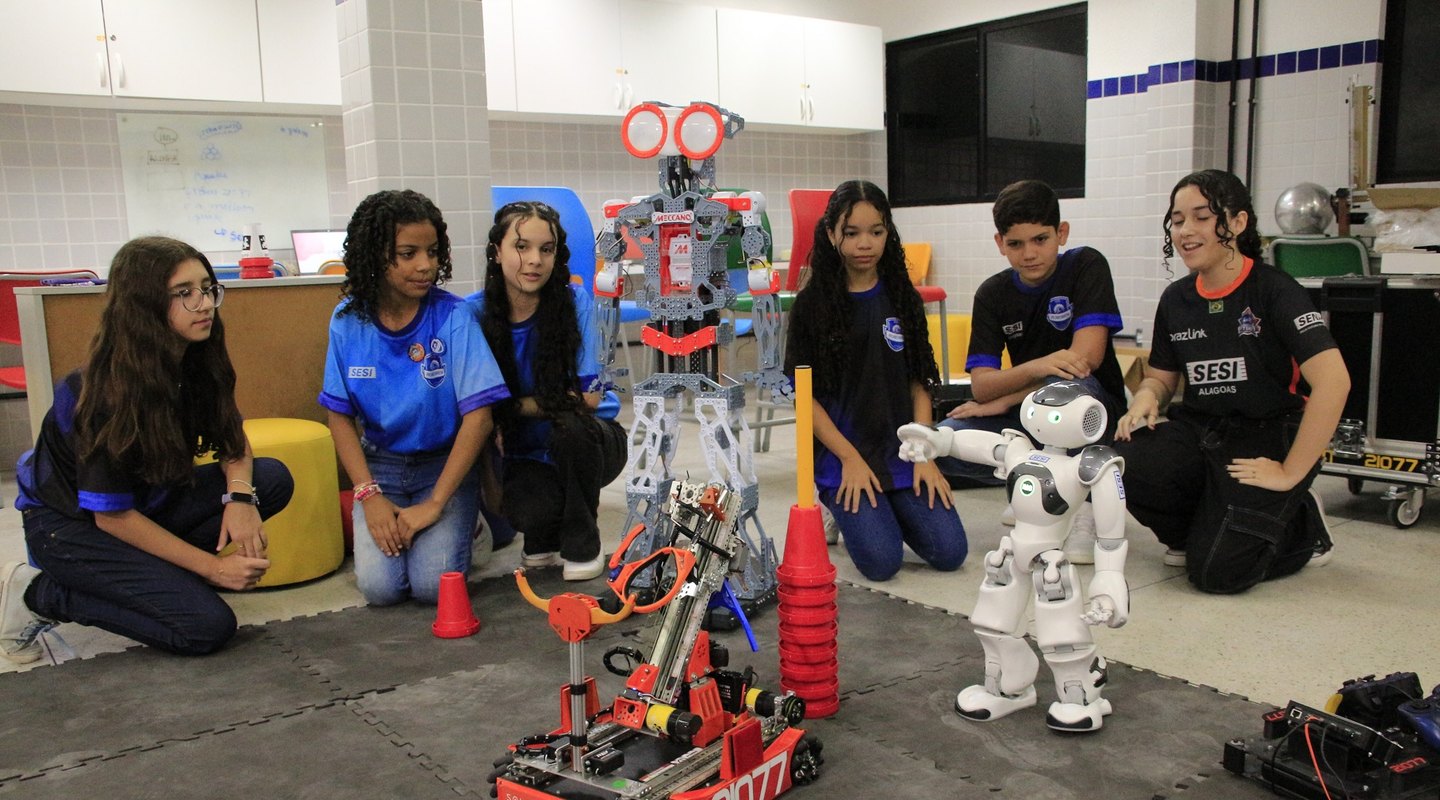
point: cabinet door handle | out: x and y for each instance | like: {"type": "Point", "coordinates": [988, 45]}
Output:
{"type": "Point", "coordinates": [100, 69]}
{"type": "Point", "coordinates": [119, 71]}
{"type": "Point", "coordinates": [802, 106]}
{"type": "Point", "coordinates": [810, 101]}
{"type": "Point", "coordinates": [629, 96]}
{"type": "Point", "coordinates": [618, 97]}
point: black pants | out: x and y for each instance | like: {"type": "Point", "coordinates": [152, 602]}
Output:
{"type": "Point", "coordinates": [557, 504]}
{"type": "Point", "coordinates": [1234, 536]}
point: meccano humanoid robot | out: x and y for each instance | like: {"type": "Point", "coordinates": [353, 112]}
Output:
{"type": "Point", "coordinates": [684, 231]}
{"type": "Point", "coordinates": [1046, 488]}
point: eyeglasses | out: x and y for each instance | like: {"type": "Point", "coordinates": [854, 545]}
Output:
{"type": "Point", "coordinates": [194, 299]}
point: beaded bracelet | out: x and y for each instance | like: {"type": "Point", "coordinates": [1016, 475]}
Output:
{"type": "Point", "coordinates": [366, 490]}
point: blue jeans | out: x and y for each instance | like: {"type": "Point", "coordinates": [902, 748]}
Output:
{"type": "Point", "coordinates": [875, 537]}
{"type": "Point", "coordinates": [91, 577]}
{"type": "Point", "coordinates": [443, 547]}
{"type": "Point", "coordinates": [984, 474]}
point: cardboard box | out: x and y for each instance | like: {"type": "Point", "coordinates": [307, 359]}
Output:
{"type": "Point", "coordinates": [1414, 262]}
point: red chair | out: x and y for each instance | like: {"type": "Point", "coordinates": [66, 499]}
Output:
{"type": "Point", "coordinates": [807, 206]}
{"type": "Point", "coordinates": [14, 377]}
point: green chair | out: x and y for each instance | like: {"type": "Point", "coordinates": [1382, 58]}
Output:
{"type": "Point", "coordinates": [1320, 256]}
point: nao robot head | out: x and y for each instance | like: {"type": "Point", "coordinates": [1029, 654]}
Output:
{"type": "Point", "coordinates": [1063, 414]}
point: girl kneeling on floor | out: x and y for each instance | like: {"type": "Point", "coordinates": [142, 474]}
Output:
{"type": "Point", "coordinates": [129, 534]}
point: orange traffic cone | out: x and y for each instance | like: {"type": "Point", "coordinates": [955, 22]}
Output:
{"type": "Point", "coordinates": [454, 618]}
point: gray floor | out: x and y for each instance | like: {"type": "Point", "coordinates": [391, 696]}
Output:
{"type": "Point", "coordinates": [1372, 610]}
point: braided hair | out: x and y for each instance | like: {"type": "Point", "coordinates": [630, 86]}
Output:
{"type": "Point", "coordinates": [554, 373]}
{"type": "Point", "coordinates": [370, 245]}
{"type": "Point", "coordinates": [827, 287]}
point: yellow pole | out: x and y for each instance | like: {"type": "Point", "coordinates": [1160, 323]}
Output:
{"type": "Point", "coordinates": [804, 440]}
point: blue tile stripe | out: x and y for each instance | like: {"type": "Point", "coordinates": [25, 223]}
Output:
{"type": "Point", "coordinates": [1288, 63]}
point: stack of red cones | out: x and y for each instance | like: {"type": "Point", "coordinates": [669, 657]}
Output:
{"type": "Point", "coordinates": [809, 664]}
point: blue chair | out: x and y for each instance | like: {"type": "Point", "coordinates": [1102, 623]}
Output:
{"type": "Point", "coordinates": [579, 231]}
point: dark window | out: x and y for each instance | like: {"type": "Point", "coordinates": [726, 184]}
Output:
{"type": "Point", "coordinates": [1409, 94]}
{"type": "Point", "coordinates": [973, 109]}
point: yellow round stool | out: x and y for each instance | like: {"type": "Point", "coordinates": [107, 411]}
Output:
{"type": "Point", "coordinates": [305, 537]}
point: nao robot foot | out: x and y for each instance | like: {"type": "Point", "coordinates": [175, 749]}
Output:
{"type": "Point", "coordinates": [1046, 487]}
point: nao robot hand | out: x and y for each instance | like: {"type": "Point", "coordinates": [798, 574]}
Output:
{"type": "Point", "coordinates": [1109, 599]}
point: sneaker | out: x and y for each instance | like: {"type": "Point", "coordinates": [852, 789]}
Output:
{"type": "Point", "coordinates": [539, 560]}
{"type": "Point", "coordinates": [832, 528]}
{"type": "Point", "coordinates": [1324, 542]}
{"type": "Point", "coordinates": [1173, 557]}
{"type": "Point", "coordinates": [585, 570]}
{"type": "Point", "coordinates": [1080, 544]}
{"type": "Point", "coordinates": [1007, 517]}
{"type": "Point", "coordinates": [20, 628]}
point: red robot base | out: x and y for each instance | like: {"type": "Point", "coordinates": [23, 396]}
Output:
{"type": "Point", "coordinates": [684, 726]}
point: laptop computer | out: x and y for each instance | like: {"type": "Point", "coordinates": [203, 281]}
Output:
{"type": "Point", "coordinates": [314, 247]}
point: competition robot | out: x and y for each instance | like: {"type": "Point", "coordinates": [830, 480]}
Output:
{"type": "Point", "coordinates": [684, 231]}
{"type": "Point", "coordinates": [1046, 488]}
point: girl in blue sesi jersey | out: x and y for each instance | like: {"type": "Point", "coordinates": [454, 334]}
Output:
{"type": "Point", "coordinates": [409, 382]}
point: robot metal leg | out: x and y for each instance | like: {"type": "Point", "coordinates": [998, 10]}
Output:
{"type": "Point", "coordinates": [1068, 647]}
{"type": "Point", "coordinates": [1010, 664]}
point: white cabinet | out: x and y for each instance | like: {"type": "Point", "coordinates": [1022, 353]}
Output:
{"type": "Point", "coordinates": [300, 51]}
{"type": "Point", "coordinates": [791, 70]}
{"type": "Point", "coordinates": [57, 48]}
{"type": "Point", "coordinates": [183, 49]}
{"type": "Point", "coordinates": [173, 49]}
{"type": "Point", "coordinates": [600, 57]}
{"type": "Point", "coordinates": [499, 54]}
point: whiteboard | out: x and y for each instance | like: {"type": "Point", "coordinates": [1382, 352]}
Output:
{"type": "Point", "coordinates": [202, 178]}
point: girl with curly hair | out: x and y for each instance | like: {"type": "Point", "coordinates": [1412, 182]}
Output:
{"type": "Point", "coordinates": [860, 325]}
{"type": "Point", "coordinates": [1225, 483]}
{"type": "Point", "coordinates": [409, 382]}
{"type": "Point", "coordinates": [560, 441]}
{"type": "Point", "coordinates": [130, 535]}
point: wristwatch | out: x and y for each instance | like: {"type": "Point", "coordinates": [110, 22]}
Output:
{"type": "Point", "coordinates": [239, 497]}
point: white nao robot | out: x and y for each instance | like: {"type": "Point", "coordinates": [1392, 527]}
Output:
{"type": "Point", "coordinates": [1046, 488]}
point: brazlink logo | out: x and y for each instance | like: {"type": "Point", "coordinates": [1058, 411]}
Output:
{"type": "Point", "coordinates": [1188, 335]}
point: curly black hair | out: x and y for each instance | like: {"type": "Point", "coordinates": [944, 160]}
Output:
{"type": "Point", "coordinates": [370, 245]}
{"type": "Point", "coordinates": [1228, 197]}
{"type": "Point", "coordinates": [827, 290]}
{"type": "Point", "coordinates": [557, 384]}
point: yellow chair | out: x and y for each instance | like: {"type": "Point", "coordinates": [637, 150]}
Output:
{"type": "Point", "coordinates": [332, 267]}
{"type": "Point", "coordinates": [958, 328]}
{"type": "Point", "coordinates": [306, 541]}
{"type": "Point", "coordinates": [917, 261]}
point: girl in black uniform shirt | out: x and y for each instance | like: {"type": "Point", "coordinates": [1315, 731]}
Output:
{"type": "Point", "coordinates": [1225, 482]}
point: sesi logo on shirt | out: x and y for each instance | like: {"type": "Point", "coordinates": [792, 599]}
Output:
{"type": "Point", "coordinates": [894, 336]}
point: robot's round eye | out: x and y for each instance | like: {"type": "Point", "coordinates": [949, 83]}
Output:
{"type": "Point", "coordinates": [699, 131]}
{"type": "Point", "coordinates": [644, 130]}
{"type": "Point", "coordinates": [1030, 413]}
{"type": "Point", "coordinates": [1055, 417]}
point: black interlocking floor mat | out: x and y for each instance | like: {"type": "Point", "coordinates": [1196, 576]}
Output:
{"type": "Point", "coordinates": [366, 703]}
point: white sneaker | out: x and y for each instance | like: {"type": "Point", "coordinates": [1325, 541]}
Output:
{"type": "Point", "coordinates": [585, 570]}
{"type": "Point", "coordinates": [20, 628]}
{"type": "Point", "coordinates": [832, 528]}
{"type": "Point", "coordinates": [1173, 557]}
{"type": "Point", "coordinates": [1324, 542]}
{"type": "Point", "coordinates": [539, 560]}
{"type": "Point", "coordinates": [1080, 544]}
{"type": "Point", "coordinates": [1007, 517]}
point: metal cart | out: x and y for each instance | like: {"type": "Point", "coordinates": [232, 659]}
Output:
{"type": "Point", "coordinates": [1388, 331]}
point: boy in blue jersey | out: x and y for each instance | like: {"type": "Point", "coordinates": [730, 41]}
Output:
{"type": "Point", "coordinates": [1054, 312]}
{"type": "Point", "coordinates": [560, 441]}
{"type": "Point", "coordinates": [409, 382]}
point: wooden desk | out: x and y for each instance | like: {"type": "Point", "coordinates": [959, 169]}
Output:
{"type": "Point", "coordinates": [276, 331]}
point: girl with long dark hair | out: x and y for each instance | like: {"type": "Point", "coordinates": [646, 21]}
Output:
{"type": "Point", "coordinates": [129, 534]}
{"type": "Point", "coordinates": [560, 441]}
{"type": "Point", "coordinates": [860, 325]}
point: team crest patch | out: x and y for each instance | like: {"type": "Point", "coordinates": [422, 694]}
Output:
{"type": "Point", "coordinates": [1059, 312]}
{"type": "Point", "coordinates": [894, 336]}
{"type": "Point", "coordinates": [433, 370]}
{"type": "Point", "coordinates": [1249, 323]}
{"type": "Point", "coordinates": [1217, 306]}
{"type": "Point", "coordinates": [417, 352]}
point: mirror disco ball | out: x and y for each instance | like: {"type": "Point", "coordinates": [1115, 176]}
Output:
{"type": "Point", "coordinates": [1304, 208]}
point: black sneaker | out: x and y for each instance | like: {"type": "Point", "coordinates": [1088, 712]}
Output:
{"type": "Point", "coordinates": [1324, 542]}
